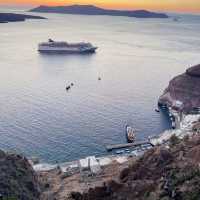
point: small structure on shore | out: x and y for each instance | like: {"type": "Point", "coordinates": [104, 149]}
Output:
{"type": "Point", "coordinates": [142, 144]}
{"type": "Point", "coordinates": [94, 165]}
{"type": "Point", "coordinates": [90, 163]}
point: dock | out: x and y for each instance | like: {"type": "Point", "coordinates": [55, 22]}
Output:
{"type": "Point", "coordinates": [127, 145]}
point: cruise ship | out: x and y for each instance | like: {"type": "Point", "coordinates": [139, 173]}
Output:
{"type": "Point", "coordinates": [63, 47]}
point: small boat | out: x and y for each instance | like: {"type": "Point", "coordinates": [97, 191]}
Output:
{"type": "Point", "coordinates": [130, 134]}
{"type": "Point", "coordinates": [119, 152]}
{"type": "Point", "coordinates": [127, 151]}
{"type": "Point", "coordinates": [68, 87]}
{"type": "Point", "coordinates": [175, 19]}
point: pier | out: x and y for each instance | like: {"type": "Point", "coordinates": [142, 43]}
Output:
{"type": "Point", "coordinates": [127, 145]}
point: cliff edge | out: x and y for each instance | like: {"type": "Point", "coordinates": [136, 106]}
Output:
{"type": "Point", "coordinates": [17, 178]}
{"type": "Point", "coordinates": [183, 92]}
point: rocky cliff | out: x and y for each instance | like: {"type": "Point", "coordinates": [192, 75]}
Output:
{"type": "Point", "coordinates": [17, 178]}
{"type": "Point", "coordinates": [183, 92]}
{"type": "Point", "coordinates": [161, 174]}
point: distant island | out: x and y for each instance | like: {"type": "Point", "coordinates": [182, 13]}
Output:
{"type": "Point", "coordinates": [93, 10]}
{"type": "Point", "coordinates": [12, 17]}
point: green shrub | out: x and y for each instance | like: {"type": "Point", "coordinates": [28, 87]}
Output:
{"type": "Point", "coordinates": [174, 140]}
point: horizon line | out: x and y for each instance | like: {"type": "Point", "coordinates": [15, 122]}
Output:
{"type": "Point", "coordinates": [182, 11]}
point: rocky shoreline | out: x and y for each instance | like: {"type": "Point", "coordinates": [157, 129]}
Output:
{"type": "Point", "coordinates": [67, 181]}
{"type": "Point", "coordinates": [117, 175]}
{"type": "Point", "coordinates": [168, 171]}
{"type": "Point", "coordinates": [183, 117]}
{"type": "Point", "coordinates": [161, 174]}
{"type": "Point", "coordinates": [187, 125]}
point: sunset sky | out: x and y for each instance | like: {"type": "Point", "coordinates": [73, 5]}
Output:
{"type": "Point", "coordinates": [165, 5]}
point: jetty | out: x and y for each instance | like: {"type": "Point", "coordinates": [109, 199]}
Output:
{"type": "Point", "coordinates": [127, 145]}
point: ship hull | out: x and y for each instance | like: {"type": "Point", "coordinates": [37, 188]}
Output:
{"type": "Point", "coordinates": [65, 51]}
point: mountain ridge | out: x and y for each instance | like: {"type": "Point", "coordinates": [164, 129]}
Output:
{"type": "Point", "coordinates": [94, 10]}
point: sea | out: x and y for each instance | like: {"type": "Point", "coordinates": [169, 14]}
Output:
{"type": "Point", "coordinates": [136, 59]}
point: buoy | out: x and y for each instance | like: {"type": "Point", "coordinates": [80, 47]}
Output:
{"type": "Point", "coordinates": [72, 84]}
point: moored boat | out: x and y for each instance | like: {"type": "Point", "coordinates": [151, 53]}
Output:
{"type": "Point", "coordinates": [130, 134]}
{"type": "Point", "coordinates": [175, 19]}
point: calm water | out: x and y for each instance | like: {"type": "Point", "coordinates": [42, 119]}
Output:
{"type": "Point", "coordinates": [136, 59]}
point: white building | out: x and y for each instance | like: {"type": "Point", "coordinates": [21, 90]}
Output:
{"type": "Point", "coordinates": [90, 163]}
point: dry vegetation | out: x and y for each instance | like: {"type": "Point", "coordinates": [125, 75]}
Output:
{"type": "Point", "coordinates": [161, 174]}
{"type": "Point", "coordinates": [59, 186]}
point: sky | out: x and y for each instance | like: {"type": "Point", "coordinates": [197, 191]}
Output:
{"type": "Point", "coordinates": [191, 6]}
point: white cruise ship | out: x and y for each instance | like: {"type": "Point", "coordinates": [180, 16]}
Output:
{"type": "Point", "coordinates": [63, 47]}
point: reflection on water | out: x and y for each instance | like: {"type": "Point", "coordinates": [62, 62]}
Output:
{"type": "Point", "coordinates": [135, 60]}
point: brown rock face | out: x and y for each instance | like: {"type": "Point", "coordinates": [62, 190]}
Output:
{"type": "Point", "coordinates": [17, 178]}
{"type": "Point", "coordinates": [184, 89]}
{"type": "Point", "coordinates": [194, 71]}
{"type": "Point", "coordinates": [160, 174]}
